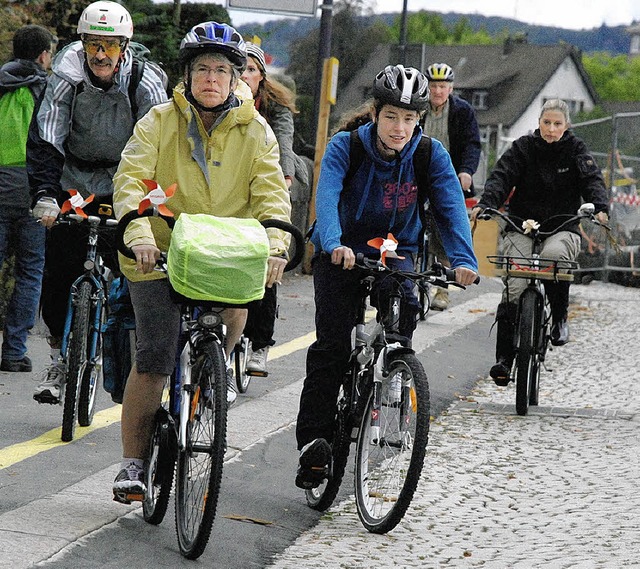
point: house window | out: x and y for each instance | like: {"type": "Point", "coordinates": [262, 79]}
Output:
{"type": "Point", "coordinates": [479, 100]}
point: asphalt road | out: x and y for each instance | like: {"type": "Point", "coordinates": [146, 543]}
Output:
{"type": "Point", "coordinates": [55, 498]}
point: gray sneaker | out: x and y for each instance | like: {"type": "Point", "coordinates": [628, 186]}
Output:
{"type": "Point", "coordinates": [257, 364]}
{"type": "Point", "coordinates": [440, 300]}
{"type": "Point", "coordinates": [129, 485]}
{"type": "Point", "coordinates": [50, 388]}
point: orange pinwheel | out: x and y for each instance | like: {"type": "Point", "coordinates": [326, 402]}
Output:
{"type": "Point", "coordinates": [75, 203]}
{"type": "Point", "coordinates": [157, 197]}
{"type": "Point", "coordinates": [387, 247]}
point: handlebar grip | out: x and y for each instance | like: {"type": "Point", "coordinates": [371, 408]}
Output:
{"type": "Point", "coordinates": [127, 218]}
{"type": "Point", "coordinates": [450, 275]}
{"type": "Point", "coordinates": [295, 233]}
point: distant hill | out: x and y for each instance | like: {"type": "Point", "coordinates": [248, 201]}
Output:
{"type": "Point", "coordinates": [277, 35]}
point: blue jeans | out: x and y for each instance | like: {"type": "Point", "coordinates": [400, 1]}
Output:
{"type": "Point", "coordinates": [27, 237]}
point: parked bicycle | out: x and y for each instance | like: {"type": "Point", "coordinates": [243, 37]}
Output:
{"type": "Point", "coordinates": [191, 424]}
{"type": "Point", "coordinates": [383, 406]}
{"type": "Point", "coordinates": [81, 346]}
{"type": "Point", "coordinates": [533, 318]}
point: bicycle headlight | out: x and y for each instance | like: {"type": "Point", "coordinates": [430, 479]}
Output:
{"type": "Point", "coordinates": [88, 265]}
{"type": "Point", "coordinates": [209, 319]}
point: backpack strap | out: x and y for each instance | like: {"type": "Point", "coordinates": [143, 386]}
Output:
{"type": "Point", "coordinates": [137, 70]}
{"type": "Point", "coordinates": [356, 156]}
{"type": "Point", "coordinates": [421, 163]}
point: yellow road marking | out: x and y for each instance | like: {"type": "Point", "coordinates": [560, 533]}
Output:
{"type": "Point", "coordinates": [21, 451]}
{"type": "Point", "coordinates": [51, 439]}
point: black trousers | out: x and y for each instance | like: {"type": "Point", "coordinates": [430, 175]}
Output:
{"type": "Point", "coordinates": [261, 319]}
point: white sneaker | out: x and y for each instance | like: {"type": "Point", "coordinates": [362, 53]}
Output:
{"type": "Point", "coordinates": [394, 390]}
{"type": "Point", "coordinates": [231, 387]}
{"type": "Point", "coordinates": [257, 364]}
{"type": "Point", "coordinates": [50, 388]}
{"type": "Point", "coordinates": [440, 299]}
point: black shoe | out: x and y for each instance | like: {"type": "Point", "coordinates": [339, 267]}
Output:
{"type": "Point", "coordinates": [22, 365]}
{"type": "Point", "coordinates": [560, 332]}
{"type": "Point", "coordinates": [313, 469]}
{"type": "Point", "coordinates": [501, 373]}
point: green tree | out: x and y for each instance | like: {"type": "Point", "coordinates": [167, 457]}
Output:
{"type": "Point", "coordinates": [429, 28]}
{"type": "Point", "coordinates": [615, 78]}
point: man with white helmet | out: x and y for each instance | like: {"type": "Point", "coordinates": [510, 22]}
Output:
{"type": "Point", "coordinates": [75, 141]}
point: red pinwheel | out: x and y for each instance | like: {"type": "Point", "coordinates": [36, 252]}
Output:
{"type": "Point", "coordinates": [387, 247]}
{"type": "Point", "coordinates": [75, 203]}
{"type": "Point", "coordinates": [157, 197]}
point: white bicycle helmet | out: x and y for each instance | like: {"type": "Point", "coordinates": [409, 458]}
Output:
{"type": "Point", "coordinates": [439, 72]}
{"type": "Point", "coordinates": [105, 18]}
{"type": "Point", "coordinates": [403, 87]}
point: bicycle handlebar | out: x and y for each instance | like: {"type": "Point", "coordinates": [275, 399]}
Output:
{"type": "Point", "coordinates": [438, 275]}
{"type": "Point", "coordinates": [67, 218]}
{"type": "Point", "coordinates": [170, 221]}
{"type": "Point", "coordinates": [583, 213]}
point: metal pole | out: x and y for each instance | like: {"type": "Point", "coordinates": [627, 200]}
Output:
{"type": "Point", "coordinates": [324, 52]}
{"type": "Point", "coordinates": [403, 34]}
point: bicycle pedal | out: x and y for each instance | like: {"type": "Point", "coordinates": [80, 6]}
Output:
{"type": "Point", "coordinates": [253, 373]}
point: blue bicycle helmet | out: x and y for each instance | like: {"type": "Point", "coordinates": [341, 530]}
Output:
{"type": "Point", "coordinates": [212, 37]}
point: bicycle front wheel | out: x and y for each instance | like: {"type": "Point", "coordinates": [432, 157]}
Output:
{"type": "Point", "coordinates": [199, 470]}
{"type": "Point", "coordinates": [527, 366]}
{"type": "Point", "coordinates": [76, 357]}
{"type": "Point", "coordinates": [392, 444]}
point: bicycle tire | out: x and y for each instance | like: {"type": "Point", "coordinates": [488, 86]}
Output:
{"type": "Point", "coordinates": [388, 466]}
{"type": "Point", "coordinates": [199, 467]}
{"type": "Point", "coordinates": [92, 376]}
{"type": "Point", "coordinates": [160, 469]}
{"type": "Point", "coordinates": [541, 354]}
{"type": "Point", "coordinates": [526, 360]}
{"type": "Point", "coordinates": [241, 356]}
{"type": "Point", "coordinates": [323, 496]}
{"type": "Point", "coordinates": [76, 359]}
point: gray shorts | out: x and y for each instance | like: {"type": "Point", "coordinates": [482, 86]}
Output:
{"type": "Point", "coordinates": [157, 326]}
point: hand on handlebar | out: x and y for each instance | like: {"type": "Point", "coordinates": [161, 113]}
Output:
{"type": "Point", "coordinates": [465, 276]}
{"type": "Point", "coordinates": [146, 257]}
{"type": "Point", "coordinates": [343, 256]}
{"type": "Point", "coordinates": [602, 217]}
{"type": "Point", "coordinates": [275, 270]}
{"type": "Point", "coordinates": [475, 212]}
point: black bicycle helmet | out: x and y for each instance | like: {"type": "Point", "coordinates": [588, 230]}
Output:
{"type": "Point", "coordinates": [403, 87]}
{"type": "Point", "coordinates": [439, 72]}
{"type": "Point", "coordinates": [212, 37]}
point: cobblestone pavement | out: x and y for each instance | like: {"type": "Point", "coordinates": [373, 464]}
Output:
{"type": "Point", "coordinates": [556, 489]}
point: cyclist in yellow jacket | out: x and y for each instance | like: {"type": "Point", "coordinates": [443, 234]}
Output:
{"type": "Point", "coordinates": [224, 158]}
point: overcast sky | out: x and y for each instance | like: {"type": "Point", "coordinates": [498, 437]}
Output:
{"type": "Point", "coordinates": [574, 14]}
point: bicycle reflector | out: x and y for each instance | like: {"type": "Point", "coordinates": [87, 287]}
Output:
{"type": "Point", "coordinates": [209, 319]}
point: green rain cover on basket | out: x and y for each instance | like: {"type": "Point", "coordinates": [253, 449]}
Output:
{"type": "Point", "coordinates": [218, 258]}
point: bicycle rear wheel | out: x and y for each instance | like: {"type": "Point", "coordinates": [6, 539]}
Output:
{"type": "Point", "coordinates": [527, 364]}
{"type": "Point", "coordinates": [391, 446]}
{"type": "Point", "coordinates": [92, 376]}
{"type": "Point", "coordinates": [322, 497]}
{"type": "Point", "coordinates": [76, 357]}
{"type": "Point", "coordinates": [199, 470]}
{"type": "Point", "coordinates": [160, 469]}
{"type": "Point", "coordinates": [241, 356]}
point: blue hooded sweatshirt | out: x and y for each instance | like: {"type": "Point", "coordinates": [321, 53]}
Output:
{"type": "Point", "coordinates": [382, 197]}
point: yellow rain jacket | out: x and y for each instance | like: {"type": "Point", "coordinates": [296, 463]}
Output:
{"type": "Point", "coordinates": [234, 172]}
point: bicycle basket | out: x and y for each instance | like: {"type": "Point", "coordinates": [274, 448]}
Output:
{"type": "Point", "coordinates": [221, 259]}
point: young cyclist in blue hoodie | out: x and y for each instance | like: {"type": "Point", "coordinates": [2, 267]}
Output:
{"type": "Point", "coordinates": [381, 197]}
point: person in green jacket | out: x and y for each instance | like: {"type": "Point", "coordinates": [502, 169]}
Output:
{"type": "Point", "coordinates": [22, 80]}
{"type": "Point", "coordinates": [223, 156]}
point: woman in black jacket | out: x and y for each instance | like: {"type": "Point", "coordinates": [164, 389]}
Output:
{"type": "Point", "coordinates": [550, 172]}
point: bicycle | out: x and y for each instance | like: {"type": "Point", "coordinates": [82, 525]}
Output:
{"type": "Point", "coordinates": [383, 406]}
{"type": "Point", "coordinates": [189, 440]}
{"type": "Point", "coordinates": [81, 346]}
{"type": "Point", "coordinates": [533, 317]}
